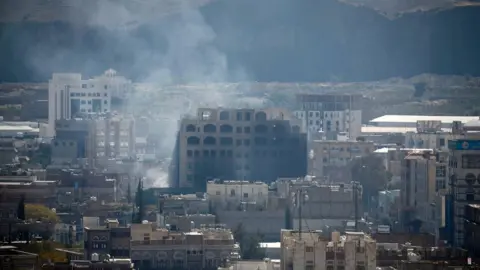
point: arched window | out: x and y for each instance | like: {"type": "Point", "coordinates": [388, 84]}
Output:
{"type": "Point", "coordinates": [209, 128]}
{"type": "Point", "coordinates": [226, 128]}
{"type": "Point", "coordinates": [190, 128]}
{"type": "Point", "coordinates": [193, 140]}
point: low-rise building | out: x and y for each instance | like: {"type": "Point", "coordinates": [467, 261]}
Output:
{"type": "Point", "coordinates": [107, 240]}
{"type": "Point", "coordinates": [206, 248]}
{"type": "Point", "coordinates": [12, 259]}
{"type": "Point", "coordinates": [231, 194]}
{"type": "Point", "coordinates": [331, 158]}
{"type": "Point", "coordinates": [311, 250]}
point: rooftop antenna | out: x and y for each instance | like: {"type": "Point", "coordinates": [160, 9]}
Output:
{"type": "Point", "coordinates": [299, 198]}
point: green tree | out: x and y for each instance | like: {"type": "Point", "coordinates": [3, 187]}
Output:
{"type": "Point", "coordinates": [21, 208]}
{"type": "Point", "coordinates": [40, 212]}
{"type": "Point", "coordinates": [249, 244]}
{"type": "Point", "coordinates": [139, 203]}
{"type": "Point", "coordinates": [129, 194]}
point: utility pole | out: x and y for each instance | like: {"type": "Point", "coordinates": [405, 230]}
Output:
{"type": "Point", "coordinates": [355, 203]}
{"type": "Point", "coordinates": [300, 197]}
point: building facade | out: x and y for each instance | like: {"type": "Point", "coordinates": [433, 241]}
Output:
{"type": "Point", "coordinates": [330, 113]}
{"type": "Point", "coordinates": [464, 171]}
{"type": "Point", "coordinates": [239, 144]}
{"type": "Point", "coordinates": [310, 250]}
{"type": "Point", "coordinates": [69, 95]}
{"type": "Point", "coordinates": [418, 191]}
{"type": "Point", "coordinates": [93, 138]}
{"type": "Point", "coordinates": [234, 193]}
{"type": "Point", "coordinates": [206, 248]}
{"type": "Point", "coordinates": [329, 157]}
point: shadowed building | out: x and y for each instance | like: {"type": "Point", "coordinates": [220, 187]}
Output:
{"type": "Point", "coordinates": [239, 144]}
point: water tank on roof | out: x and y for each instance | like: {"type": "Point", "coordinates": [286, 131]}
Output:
{"type": "Point", "coordinates": [95, 257]}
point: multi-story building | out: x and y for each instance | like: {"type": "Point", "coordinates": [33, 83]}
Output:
{"type": "Point", "coordinates": [206, 248]}
{"type": "Point", "coordinates": [418, 191]}
{"type": "Point", "coordinates": [331, 113]}
{"type": "Point", "coordinates": [472, 229]}
{"type": "Point", "coordinates": [231, 194]}
{"type": "Point", "coordinates": [464, 184]}
{"type": "Point", "coordinates": [69, 95]}
{"type": "Point", "coordinates": [327, 204]}
{"type": "Point", "coordinates": [311, 250]}
{"type": "Point", "coordinates": [329, 157]}
{"type": "Point", "coordinates": [107, 240]}
{"type": "Point", "coordinates": [238, 144]}
{"type": "Point", "coordinates": [18, 183]}
{"type": "Point", "coordinates": [94, 138]}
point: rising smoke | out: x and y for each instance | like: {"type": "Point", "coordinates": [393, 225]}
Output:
{"type": "Point", "coordinates": [189, 60]}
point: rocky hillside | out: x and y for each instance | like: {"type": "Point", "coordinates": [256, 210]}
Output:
{"type": "Point", "coordinates": [239, 40]}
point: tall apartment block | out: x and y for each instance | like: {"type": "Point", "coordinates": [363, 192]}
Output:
{"type": "Point", "coordinates": [93, 138]}
{"type": "Point", "coordinates": [70, 95]}
{"type": "Point", "coordinates": [464, 169]}
{"type": "Point", "coordinates": [238, 144]}
{"type": "Point", "coordinates": [331, 114]}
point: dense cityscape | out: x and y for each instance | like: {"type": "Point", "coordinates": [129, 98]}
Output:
{"type": "Point", "coordinates": [91, 179]}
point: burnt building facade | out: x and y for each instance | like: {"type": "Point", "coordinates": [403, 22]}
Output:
{"type": "Point", "coordinates": [242, 144]}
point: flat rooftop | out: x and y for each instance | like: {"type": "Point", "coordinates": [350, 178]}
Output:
{"type": "Point", "coordinates": [392, 130]}
{"type": "Point", "coordinates": [396, 118]}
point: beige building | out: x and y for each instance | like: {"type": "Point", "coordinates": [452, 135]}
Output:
{"type": "Point", "coordinates": [238, 144]}
{"type": "Point", "coordinates": [329, 157]}
{"type": "Point", "coordinates": [310, 250]}
{"type": "Point", "coordinates": [418, 191]}
{"type": "Point", "coordinates": [230, 194]}
{"type": "Point", "coordinates": [206, 248]}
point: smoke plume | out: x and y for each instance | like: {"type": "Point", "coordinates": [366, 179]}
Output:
{"type": "Point", "coordinates": [186, 73]}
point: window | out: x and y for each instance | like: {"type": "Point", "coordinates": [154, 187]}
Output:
{"type": "Point", "coordinates": [189, 153]}
{"type": "Point", "coordinates": [470, 161]}
{"type": "Point", "coordinates": [84, 85]}
{"type": "Point", "coordinates": [83, 102]}
{"type": "Point", "coordinates": [239, 116]}
{"type": "Point", "coordinates": [442, 142]}
{"type": "Point", "coordinates": [440, 171]}
{"type": "Point", "coordinates": [189, 178]}
{"type": "Point", "coordinates": [105, 102]}
{"type": "Point", "coordinates": [246, 130]}
{"type": "Point", "coordinates": [239, 129]}
{"type": "Point", "coordinates": [239, 142]}
{"type": "Point", "coordinates": [217, 193]}
{"type": "Point", "coordinates": [245, 195]}
{"type": "Point", "coordinates": [309, 249]}
{"type": "Point", "coordinates": [247, 116]}
{"type": "Point", "coordinates": [232, 193]}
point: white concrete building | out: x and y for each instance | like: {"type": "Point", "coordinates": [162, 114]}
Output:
{"type": "Point", "coordinates": [236, 192]}
{"type": "Point", "coordinates": [69, 95]}
{"type": "Point", "coordinates": [410, 121]}
{"type": "Point", "coordinates": [330, 113]}
{"type": "Point", "coordinates": [355, 250]}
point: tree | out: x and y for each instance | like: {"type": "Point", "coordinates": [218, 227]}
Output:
{"type": "Point", "coordinates": [40, 212]}
{"type": "Point", "coordinates": [129, 194]}
{"type": "Point", "coordinates": [249, 244]}
{"type": "Point", "coordinates": [21, 208]}
{"type": "Point", "coordinates": [139, 203]}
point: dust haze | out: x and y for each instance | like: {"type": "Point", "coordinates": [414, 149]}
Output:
{"type": "Point", "coordinates": [189, 73]}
